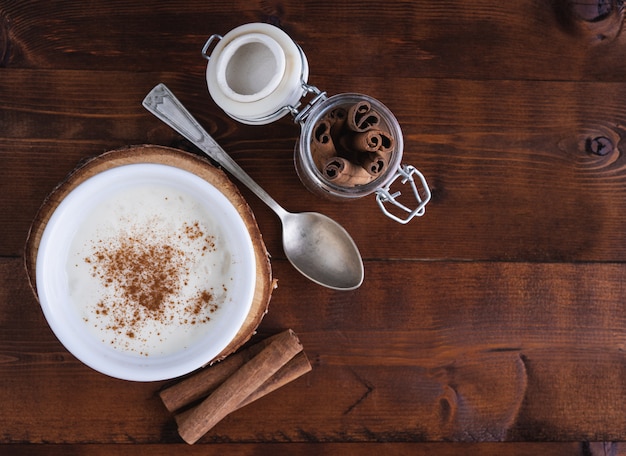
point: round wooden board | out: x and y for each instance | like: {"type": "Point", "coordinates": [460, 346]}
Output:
{"type": "Point", "coordinates": [201, 167]}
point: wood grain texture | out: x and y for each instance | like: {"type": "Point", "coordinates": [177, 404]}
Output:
{"type": "Point", "coordinates": [510, 351]}
{"type": "Point", "coordinates": [480, 39]}
{"type": "Point", "coordinates": [330, 449]}
{"type": "Point", "coordinates": [498, 316]}
{"type": "Point", "coordinates": [508, 162]}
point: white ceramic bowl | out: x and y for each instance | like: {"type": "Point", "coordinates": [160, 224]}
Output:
{"type": "Point", "coordinates": [71, 219]}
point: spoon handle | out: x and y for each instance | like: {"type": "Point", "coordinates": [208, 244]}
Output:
{"type": "Point", "coordinates": [163, 104]}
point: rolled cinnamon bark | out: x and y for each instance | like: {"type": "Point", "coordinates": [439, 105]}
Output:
{"type": "Point", "coordinates": [341, 171]}
{"type": "Point", "coordinates": [361, 145]}
{"type": "Point", "coordinates": [322, 145]}
{"type": "Point", "coordinates": [371, 141]}
{"type": "Point", "coordinates": [244, 382]}
{"type": "Point", "coordinates": [374, 163]}
{"type": "Point", "coordinates": [202, 383]}
{"type": "Point", "coordinates": [295, 368]}
{"type": "Point", "coordinates": [361, 117]}
{"type": "Point", "coordinates": [337, 118]}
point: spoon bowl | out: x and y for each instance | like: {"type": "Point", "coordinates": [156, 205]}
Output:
{"type": "Point", "coordinates": [317, 246]}
{"type": "Point", "coordinates": [322, 250]}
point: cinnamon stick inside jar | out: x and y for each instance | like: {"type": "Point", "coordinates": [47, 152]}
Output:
{"type": "Point", "coordinates": [370, 141]}
{"type": "Point", "coordinates": [322, 145]}
{"type": "Point", "coordinates": [341, 171]}
{"type": "Point", "coordinates": [361, 117]}
{"type": "Point", "coordinates": [337, 118]}
{"type": "Point", "coordinates": [374, 163]}
{"type": "Point", "coordinates": [351, 145]}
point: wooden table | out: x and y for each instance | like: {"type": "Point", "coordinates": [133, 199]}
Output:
{"type": "Point", "coordinates": [495, 324]}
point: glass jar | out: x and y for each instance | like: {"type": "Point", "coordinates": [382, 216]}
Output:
{"type": "Point", "coordinates": [257, 74]}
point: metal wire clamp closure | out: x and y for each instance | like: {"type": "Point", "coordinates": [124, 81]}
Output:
{"type": "Point", "coordinates": [299, 116]}
{"type": "Point", "coordinates": [207, 45]}
{"type": "Point", "coordinates": [422, 194]}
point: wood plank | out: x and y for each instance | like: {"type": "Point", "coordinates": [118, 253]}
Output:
{"type": "Point", "coordinates": [507, 161]}
{"type": "Point", "coordinates": [315, 449]}
{"type": "Point", "coordinates": [414, 364]}
{"type": "Point", "coordinates": [452, 38]}
{"type": "Point", "coordinates": [498, 317]}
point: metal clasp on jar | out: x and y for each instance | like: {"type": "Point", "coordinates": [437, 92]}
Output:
{"type": "Point", "coordinates": [207, 45]}
{"type": "Point", "coordinates": [419, 187]}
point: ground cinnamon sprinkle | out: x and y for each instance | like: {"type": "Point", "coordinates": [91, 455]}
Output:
{"type": "Point", "coordinates": [145, 274]}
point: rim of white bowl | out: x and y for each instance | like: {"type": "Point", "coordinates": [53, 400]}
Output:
{"type": "Point", "coordinates": [51, 277]}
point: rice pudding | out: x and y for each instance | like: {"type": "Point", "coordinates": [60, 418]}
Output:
{"type": "Point", "coordinates": [149, 270]}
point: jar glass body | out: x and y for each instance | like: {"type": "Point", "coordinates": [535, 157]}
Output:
{"type": "Point", "coordinates": [313, 178]}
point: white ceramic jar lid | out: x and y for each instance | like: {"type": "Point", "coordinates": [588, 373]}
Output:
{"type": "Point", "coordinates": [256, 72]}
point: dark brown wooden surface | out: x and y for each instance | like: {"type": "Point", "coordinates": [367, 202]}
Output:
{"type": "Point", "coordinates": [495, 324]}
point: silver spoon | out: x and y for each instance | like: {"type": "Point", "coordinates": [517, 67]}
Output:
{"type": "Point", "coordinates": [317, 246]}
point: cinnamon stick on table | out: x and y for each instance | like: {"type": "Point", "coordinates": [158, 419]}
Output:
{"type": "Point", "coordinates": [295, 368]}
{"type": "Point", "coordinates": [202, 383]}
{"type": "Point", "coordinates": [238, 387]}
